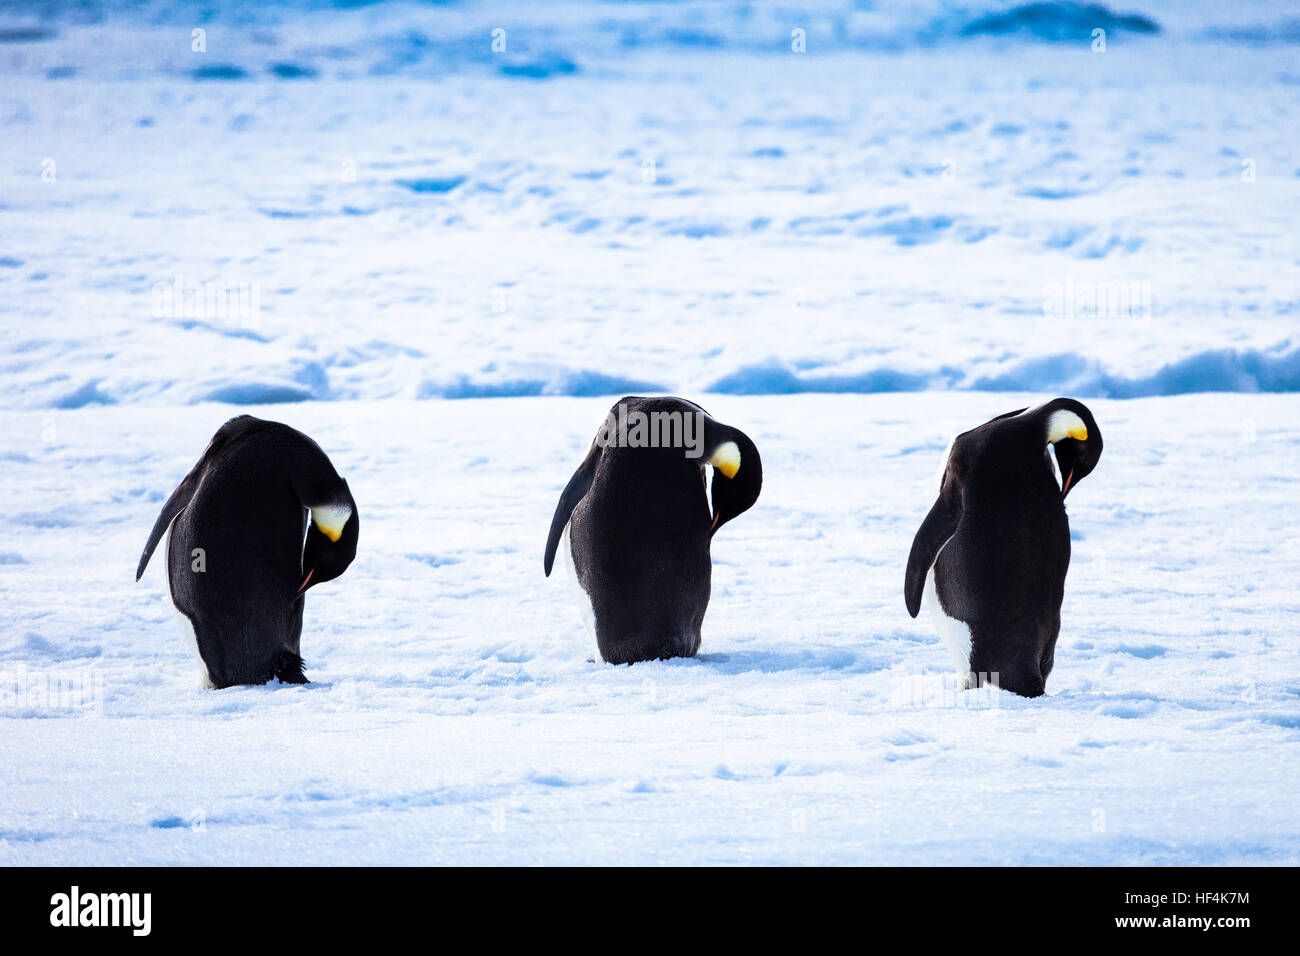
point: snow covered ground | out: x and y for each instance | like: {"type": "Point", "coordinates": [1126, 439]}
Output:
{"type": "Point", "coordinates": [449, 260]}
{"type": "Point", "coordinates": [455, 716]}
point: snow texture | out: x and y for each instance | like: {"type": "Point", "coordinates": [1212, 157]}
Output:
{"type": "Point", "coordinates": [446, 262]}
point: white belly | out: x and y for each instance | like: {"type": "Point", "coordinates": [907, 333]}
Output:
{"type": "Point", "coordinates": [183, 622]}
{"type": "Point", "coordinates": [955, 634]}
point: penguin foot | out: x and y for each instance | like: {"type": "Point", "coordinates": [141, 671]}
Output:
{"type": "Point", "coordinates": [287, 667]}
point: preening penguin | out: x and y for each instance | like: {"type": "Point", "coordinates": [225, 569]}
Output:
{"type": "Point", "coordinates": [258, 521]}
{"type": "Point", "coordinates": [640, 523]}
{"type": "Point", "coordinates": [993, 551]}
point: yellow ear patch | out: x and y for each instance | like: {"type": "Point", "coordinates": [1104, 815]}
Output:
{"type": "Point", "coordinates": [727, 459]}
{"type": "Point", "coordinates": [1065, 424]}
{"type": "Point", "coordinates": [330, 519]}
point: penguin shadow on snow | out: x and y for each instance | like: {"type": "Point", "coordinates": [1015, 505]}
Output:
{"type": "Point", "coordinates": [777, 661]}
{"type": "Point", "coordinates": [781, 661]}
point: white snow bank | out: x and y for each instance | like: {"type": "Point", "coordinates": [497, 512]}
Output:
{"type": "Point", "coordinates": [389, 222]}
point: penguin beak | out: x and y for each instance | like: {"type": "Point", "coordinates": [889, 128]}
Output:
{"type": "Point", "coordinates": [1078, 434]}
{"type": "Point", "coordinates": [305, 581]}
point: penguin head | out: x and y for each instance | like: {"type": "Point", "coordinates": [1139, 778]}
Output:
{"type": "Point", "coordinates": [695, 441]}
{"type": "Point", "coordinates": [737, 472]}
{"type": "Point", "coordinates": [331, 541]}
{"type": "Point", "coordinates": [1074, 436]}
{"type": "Point", "coordinates": [999, 447]}
{"type": "Point", "coordinates": [996, 456]}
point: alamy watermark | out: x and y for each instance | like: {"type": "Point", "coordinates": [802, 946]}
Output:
{"type": "Point", "coordinates": [179, 298]}
{"type": "Point", "coordinates": [950, 691]}
{"type": "Point", "coordinates": [74, 908]}
{"type": "Point", "coordinates": [77, 690]}
{"type": "Point", "coordinates": [1114, 300]}
{"type": "Point", "coordinates": [632, 428]}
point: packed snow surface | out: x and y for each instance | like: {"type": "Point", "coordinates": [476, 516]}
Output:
{"type": "Point", "coordinates": [442, 238]}
{"type": "Point", "coordinates": [455, 714]}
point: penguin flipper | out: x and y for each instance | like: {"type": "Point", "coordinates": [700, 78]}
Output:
{"type": "Point", "coordinates": [232, 429]}
{"type": "Point", "coordinates": [936, 530]}
{"type": "Point", "coordinates": [574, 492]}
{"type": "Point", "coordinates": [174, 506]}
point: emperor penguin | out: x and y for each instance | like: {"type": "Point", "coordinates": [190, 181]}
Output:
{"type": "Point", "coordinates": [992, 554]}
{"type": "Point", "coordinates": [258, 521]}
{"type": "Point", "coordinates": [637, 519]}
